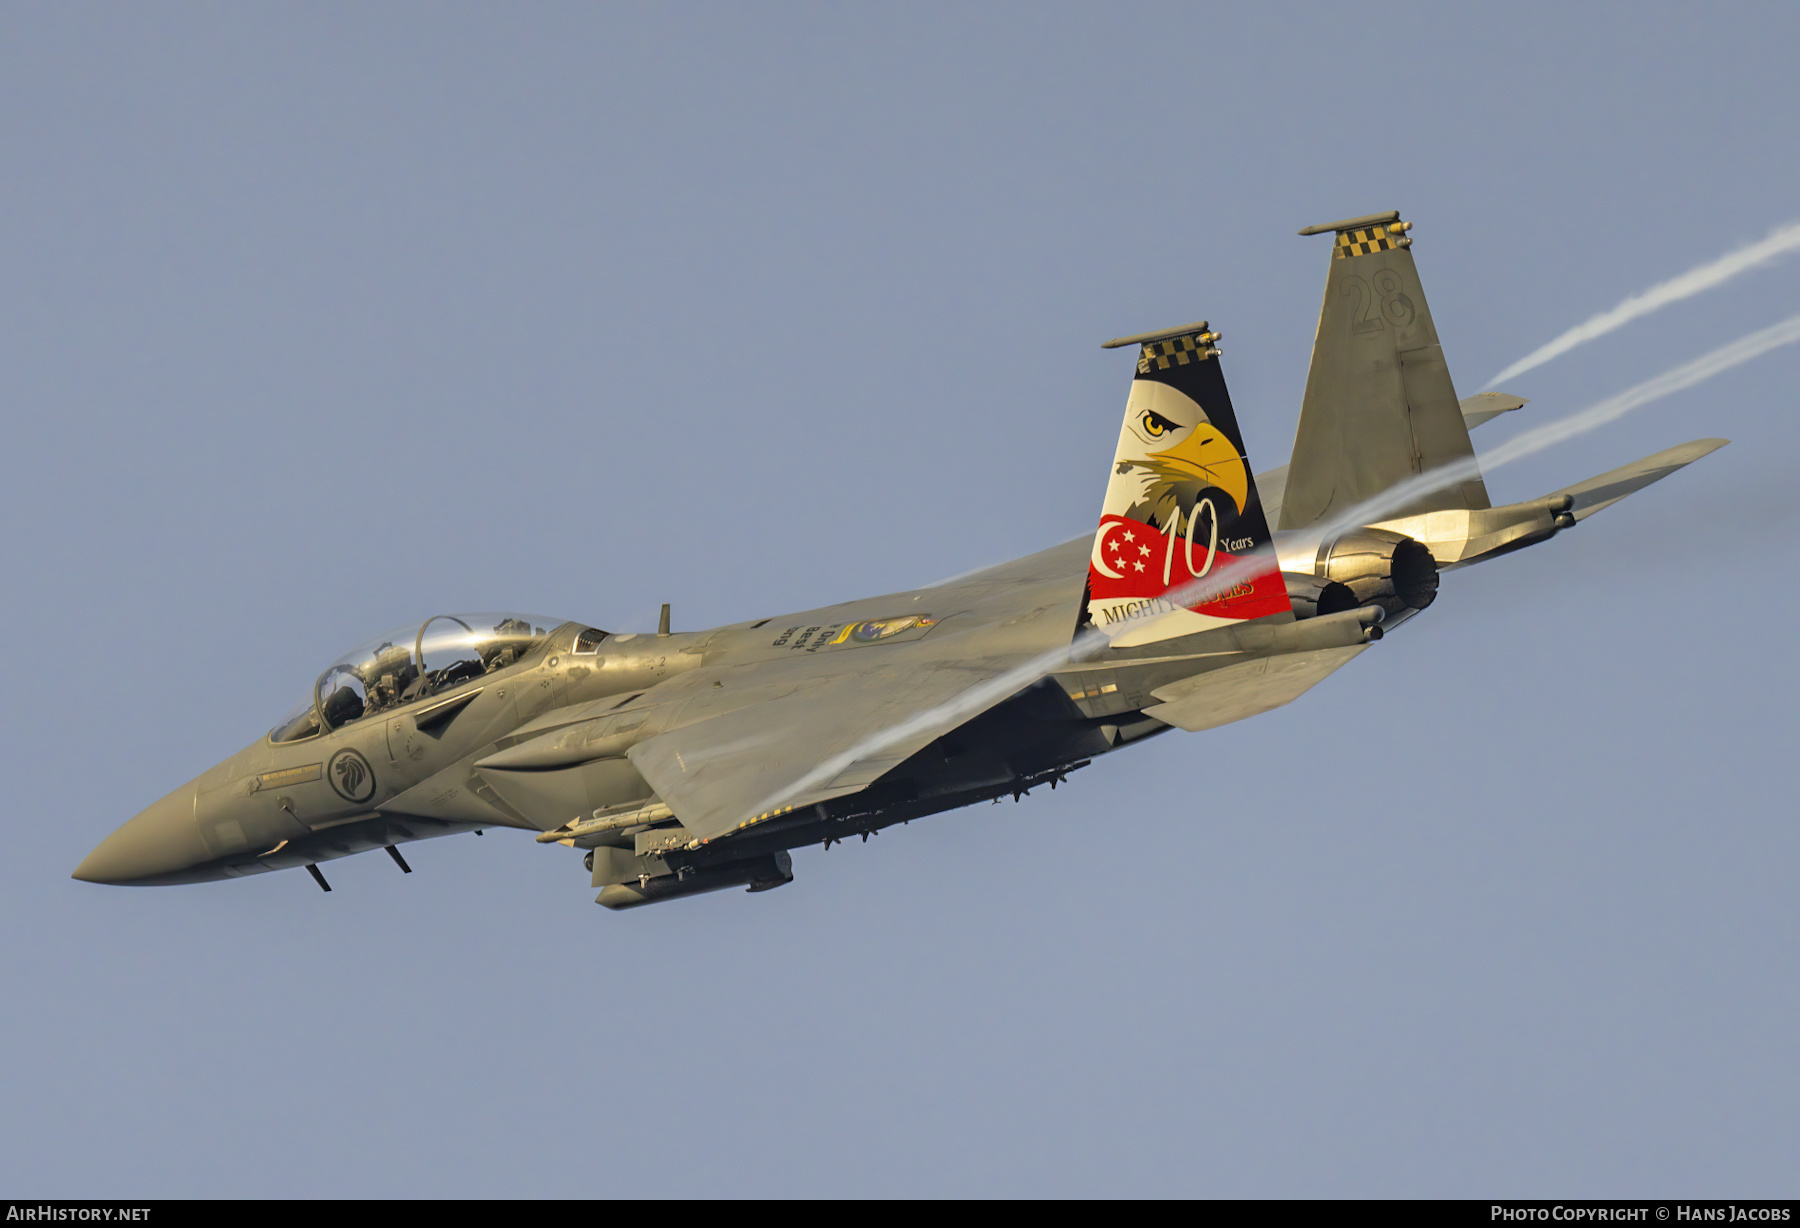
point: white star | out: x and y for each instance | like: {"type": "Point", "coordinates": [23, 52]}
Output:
{"type": "Point", "coordinates": [1139, 566]}
{"type": "Point", "coordinates": [1143, 550]}
{"type": "Point", "coordinates": [1130, 536]}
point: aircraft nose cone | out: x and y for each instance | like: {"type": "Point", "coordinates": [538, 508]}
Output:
{"type": "Point", "coordinates": [157, 845]}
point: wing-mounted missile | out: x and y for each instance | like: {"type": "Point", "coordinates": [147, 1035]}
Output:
{"type": "Point", "coordinates": [586, 832]}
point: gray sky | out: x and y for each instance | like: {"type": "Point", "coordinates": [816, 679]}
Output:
{"type": "Point", "coordinates": [319, 319]}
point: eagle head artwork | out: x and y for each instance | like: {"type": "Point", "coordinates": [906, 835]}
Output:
{"type": "Point", "coordinates": [1170, 455]}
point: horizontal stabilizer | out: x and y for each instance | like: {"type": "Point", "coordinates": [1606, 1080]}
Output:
{"type": "Point", "coordinates": [1486, 406]}
{"type": "Point", "coordinates": [1246, 689]}
{"type": "Point", "coordinates": [1457, 539]}
{"type": "Point", "coordinates": [1607, 489]}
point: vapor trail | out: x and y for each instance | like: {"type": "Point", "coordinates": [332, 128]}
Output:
{"type": "Point", "coordinates": [983, 695]}
{"type": "Point", "coordinates": [1781, 241]}
{"type": "Point", "coordinates": [1379, 507]}
{"type": "Point", "coordinates": [1551, 433]}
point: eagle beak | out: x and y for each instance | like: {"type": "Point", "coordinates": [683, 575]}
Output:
{"type": "Point", "coordinates": [1209, 456]}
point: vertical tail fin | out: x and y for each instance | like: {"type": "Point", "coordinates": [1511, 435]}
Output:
{"type": "Point", "coordinates": [1379, 405]}
{"type": "Point", "coordinates": [1181, 504]}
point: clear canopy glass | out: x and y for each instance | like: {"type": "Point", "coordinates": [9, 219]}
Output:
{"type": "Point", "coordinates": [410, 663]}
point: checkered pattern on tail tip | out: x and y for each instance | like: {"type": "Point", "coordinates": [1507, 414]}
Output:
{"type": "Point", "coordinates": [1366, 242]}
{"type": "Point", "coordinates": [1175, 352]}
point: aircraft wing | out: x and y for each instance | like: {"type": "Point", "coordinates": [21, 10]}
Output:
{"type": "Point", "coordinates": [835, 734]}
{"type": "Point", "coordinates": [770, 736]}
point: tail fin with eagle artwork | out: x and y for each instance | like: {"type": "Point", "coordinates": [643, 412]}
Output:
{"type": "Point", "coordinates": [1181, 504]}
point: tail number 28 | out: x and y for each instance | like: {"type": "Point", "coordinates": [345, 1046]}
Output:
{"type": "Point", "coordinates": [1384, 303]}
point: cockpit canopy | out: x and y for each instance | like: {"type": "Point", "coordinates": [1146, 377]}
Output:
{"type": "Point", "coordinates": [412, 662]}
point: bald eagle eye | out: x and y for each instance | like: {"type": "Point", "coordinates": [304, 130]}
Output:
{"type": "Point", "coordinates": [1156, 426]}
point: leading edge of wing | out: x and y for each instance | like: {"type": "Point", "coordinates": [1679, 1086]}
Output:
{"type": "Point", "coordinates": [1064, 558]}
{"type": "Point", "coordinates": [833, 736]}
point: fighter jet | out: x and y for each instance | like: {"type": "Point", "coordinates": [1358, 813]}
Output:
{"type": "Point", "coordinates": [681, 763]}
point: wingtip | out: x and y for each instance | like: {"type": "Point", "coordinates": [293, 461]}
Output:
{"type": "Point", "coordinates": [1694, 449]}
